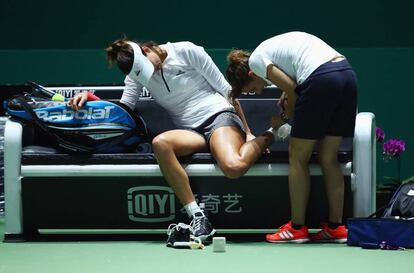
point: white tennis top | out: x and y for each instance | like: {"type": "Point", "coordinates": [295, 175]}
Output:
{"type": "Point", "coordinates": [297, 54]}
{"type": "Point", "coordinates": [197, 89]}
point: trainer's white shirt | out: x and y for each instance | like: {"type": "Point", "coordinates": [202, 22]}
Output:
{"type": "Point", "coordinates": [297, 54]}
{"type": "Point", "coordinates": [198, 90]}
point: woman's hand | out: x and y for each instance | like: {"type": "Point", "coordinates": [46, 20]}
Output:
{"type": "Point", "coordinates": [78, 101]}
{"type": "Point", "coordinates": [250, 136]}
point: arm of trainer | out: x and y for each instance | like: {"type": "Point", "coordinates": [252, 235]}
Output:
{"type": "Point", "coordinates": [284, 82]}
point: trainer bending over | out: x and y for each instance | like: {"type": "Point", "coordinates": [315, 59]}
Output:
{"type": "Point", "coordinates": [321, 91]}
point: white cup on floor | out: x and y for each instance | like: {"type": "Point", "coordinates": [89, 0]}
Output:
{"type": "Point", "coordinates": [219, 244]}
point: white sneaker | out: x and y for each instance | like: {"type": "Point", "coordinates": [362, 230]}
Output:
{"type": "Point", "coordinates": [282, 133]}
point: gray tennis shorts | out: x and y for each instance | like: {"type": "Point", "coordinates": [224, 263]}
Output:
{"type": "Point", "coordinates": [221, 119]}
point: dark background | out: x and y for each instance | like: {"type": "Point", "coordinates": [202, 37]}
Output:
{"type": "Point", "coordinates": [61, 43]}
{"type": "Point", "coordinates": [80, 24]}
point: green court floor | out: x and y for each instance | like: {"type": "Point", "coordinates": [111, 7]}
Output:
{"type": "Point", "coordinates": [153, 256]}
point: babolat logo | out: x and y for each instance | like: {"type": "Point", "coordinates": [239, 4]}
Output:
{"type": "Point", "coordinates": [71, 114]}
{"type": "Point", "coordinates": [151, 204]}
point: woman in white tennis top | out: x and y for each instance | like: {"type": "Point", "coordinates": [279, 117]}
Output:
{"type": "Point", "coordinates": [321, 91]}
{"type": "Point", "coordinates": [183, 79]}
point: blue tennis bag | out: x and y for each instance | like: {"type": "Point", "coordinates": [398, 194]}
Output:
{"type": "Point", "coordinates": [391, 227]}
{"type": "Point", "coordinates": [98, 127]}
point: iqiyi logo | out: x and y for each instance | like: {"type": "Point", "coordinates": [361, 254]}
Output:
{"type": "Point", "coordinates": [151, 204]}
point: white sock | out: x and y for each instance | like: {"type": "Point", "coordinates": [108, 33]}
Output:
{"type": "Point", "coordinates": [191, 208]}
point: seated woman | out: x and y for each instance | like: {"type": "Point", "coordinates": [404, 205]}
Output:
{"type": "Point", "coordinates": [183, 79]}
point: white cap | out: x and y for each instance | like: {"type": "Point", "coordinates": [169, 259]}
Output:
{"type": "Point", "coordinates": [142, 68]}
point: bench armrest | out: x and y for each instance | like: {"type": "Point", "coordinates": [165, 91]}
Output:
{"type": "Point", "coordinates": [13, 134]}
{"type": "Point", "coordinates": [364, 165]}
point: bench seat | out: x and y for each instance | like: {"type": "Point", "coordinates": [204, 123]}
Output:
{"type": "Point", "coordinates": [48, 192]}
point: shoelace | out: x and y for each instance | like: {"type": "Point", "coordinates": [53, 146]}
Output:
{"type": "Point", "coordinates": [196, 223]}
{"type": "Point", "coordinates": [178, 226]}
{"type": "Point", "coordinates": [282, 228]}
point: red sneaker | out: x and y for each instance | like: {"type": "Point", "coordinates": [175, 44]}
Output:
{"type": "Point", "coordinates": [328, 235]}
{"type": "Point", "coordinates": [287, 233]}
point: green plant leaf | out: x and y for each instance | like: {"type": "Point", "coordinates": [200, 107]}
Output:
{"type": "Point", "coordinates": [409, 179]}
{"type": "Point", "coordinates": [393, 184]}
{"type": "Point", "coordinates": [391, 178]}
{"type": "Point", "coordinates": [390, 186]}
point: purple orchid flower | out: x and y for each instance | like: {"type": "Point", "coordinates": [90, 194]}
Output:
{"type": "Point", "coordinates": [380, 134]}
{"type": "Point", "coordinates": [393, 147]}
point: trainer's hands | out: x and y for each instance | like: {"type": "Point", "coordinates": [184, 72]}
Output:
{"type": "Point", "coordinates": [283, 101]}
{"type": "Point", "coordinates": [276, 122]}
{"type": "Point", "coordinates": [250, 136]}
{"type": "Point", "coordinates": [287, 104]}
{"type": "Point", "coordinates": [290, 108]}
{"type": "Point", "coordinates": [78, 101]}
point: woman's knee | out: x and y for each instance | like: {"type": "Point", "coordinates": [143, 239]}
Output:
{"type": "Point", "coordinates": [160, 144]}
{"type": "Point", "coordinates": [233, 169]}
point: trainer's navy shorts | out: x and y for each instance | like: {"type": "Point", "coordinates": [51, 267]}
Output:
{"type": "Point", "coordinates": [326, 103]}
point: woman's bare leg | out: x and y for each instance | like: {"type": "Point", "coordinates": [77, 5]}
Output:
{"type": "Point", "coordinates": [167, 146]}
{"type": "Point", "coordinates": [233, 154]}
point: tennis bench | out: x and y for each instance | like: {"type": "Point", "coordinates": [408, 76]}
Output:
{"type": "Point", "coordinates": [53, 194]}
